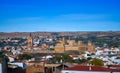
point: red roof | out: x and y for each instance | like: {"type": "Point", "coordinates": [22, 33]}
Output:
{"type": "Point", "coordinates": [89, 68]}
{"type": "Point", "coordinates": [115, 68]}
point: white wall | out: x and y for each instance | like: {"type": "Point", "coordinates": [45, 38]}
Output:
{"type": "Point", "coordinates": [19, 64]}
{"type": "Point", "coordinates": [68, 71]}
{"type": "Point", "coordinates": [0, 68]}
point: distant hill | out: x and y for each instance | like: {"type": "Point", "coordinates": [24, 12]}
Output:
{"type": "Point", "coordinates": [85, 34]}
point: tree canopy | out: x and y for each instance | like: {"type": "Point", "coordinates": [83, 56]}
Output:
{"type": "Point", "coordinates": [25, 56]}
{"type": "Point", "coordinates": [64, 58]}
{"type": "Point", "coordinates": [97, 62]}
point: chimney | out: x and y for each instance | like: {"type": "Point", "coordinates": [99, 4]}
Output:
{"type": "Point", "coordinates": [90, 67]}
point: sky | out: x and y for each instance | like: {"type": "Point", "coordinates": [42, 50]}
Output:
{"type": "Point", "coordinates": [59, 15]}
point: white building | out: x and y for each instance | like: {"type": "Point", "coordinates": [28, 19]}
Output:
{"type": "Point", "coordinates": [20, 64]}
{"type": "Point", "coordinates": [115, 59]}
{"type": "Point", "coordinates": [3, 66]}
{"type": "Point", "coordinates": [0, 68]}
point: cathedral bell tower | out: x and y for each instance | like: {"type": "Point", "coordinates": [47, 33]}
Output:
{"type": "Point", "coordinates": [30, 41]}
{"type": "Point", "coordinates": [63, 41]}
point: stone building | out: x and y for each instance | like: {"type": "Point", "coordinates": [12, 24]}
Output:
{"type": "Point", "coordinates": [35, 69]}
{"type": "Point", "coordinates": [72, 45]}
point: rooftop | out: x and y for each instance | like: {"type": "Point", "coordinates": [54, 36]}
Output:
{"type": "Point", "coordinates": [89, 68]}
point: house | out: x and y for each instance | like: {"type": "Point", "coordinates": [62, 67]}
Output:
{"type": "Point", "coordinates": [62, 66]}
{"type": "Point", "coordinates": [19, 64]}
{"type": "Point", "coordinates": [3, 65]}
{"type": "Point", "coordinates": [15, 69]}
{"type": "Point", "coordinates": [35, 69]}
{"type": "Point", "coordinates": [86, 69]}
{"type": "Point", "coordinates": [11, 58]}
{"type": "Point", "coordinates": [117, 60]}
{"type": "Point", "coordinates": [115, 68]}
{"type": "Point", "coordinates": [30, 63]}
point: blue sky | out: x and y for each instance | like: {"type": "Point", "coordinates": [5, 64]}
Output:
{"type": "Point", "coordinates": [59, 15]}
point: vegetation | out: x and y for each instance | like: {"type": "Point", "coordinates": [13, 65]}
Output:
{"type": "Point", "coordinates": [25, 56]}
{"type": "Point", "coordinates": [80, 61]}
{"type": "Point", "coordinates": [97, 62]}
{"type": "Point", "coordinates": [3, 56]}
{"type": "Point", "coordinates": [64, 58]}
{"type": "Point", "coordinates": [57, 59]}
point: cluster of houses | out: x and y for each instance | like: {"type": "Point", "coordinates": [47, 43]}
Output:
{"type": "Point", "coordinates": [109, 56]}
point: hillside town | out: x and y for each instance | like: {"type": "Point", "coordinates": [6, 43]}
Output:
{"type": "Point", "coordinates": [60, 54]}
{"type": "Point", "coordinates": [59, 36]}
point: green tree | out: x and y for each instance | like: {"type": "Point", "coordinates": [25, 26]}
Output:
{"type": "Point", "coordinates": [79, 61]}
{"type": "Point", "coordinates": [97, 62]}
{"type": "Point", "coordinates": [25, 56]}
{"type": "Point", "coordinates": [1, 54]}
{"type": "Point", "coordinates": [63, 57]}
{"type": "Point", "coordinates": [92, 53]}
{"type": "Point", "coordinates": [57, 59]}
{"type": "Point", "coordinates": [67, 58]}
{"type": "Point", "coordinates": [89, 58]}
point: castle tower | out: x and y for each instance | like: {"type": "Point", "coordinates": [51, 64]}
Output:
{"type": "Point", "coordinates": [90, 43]}
{"type": "Point", "coordinates": [91, 47]}
{"type": "Point", "coordinates": [80, 43]}
{"type": "Point", "coordinates": [59, 48]}
{"type": "Point", "coordinates": [71, 42]}
{"type": "Point", "coordinates": [30, 41]}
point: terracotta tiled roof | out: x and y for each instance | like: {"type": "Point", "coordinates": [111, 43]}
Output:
{"type": "Point", "coordinates": [115, 68]}
{"type": "Point", "coordinates": [12, 56]}
{"type": "Point", "coordinates": [101, 49]}
{"type": "Point", "coordinates": [35, 62]}
{"type": "Point", "coordinates": [89, 68]}
{"type": "Point", "coordinates": [84, 64]}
